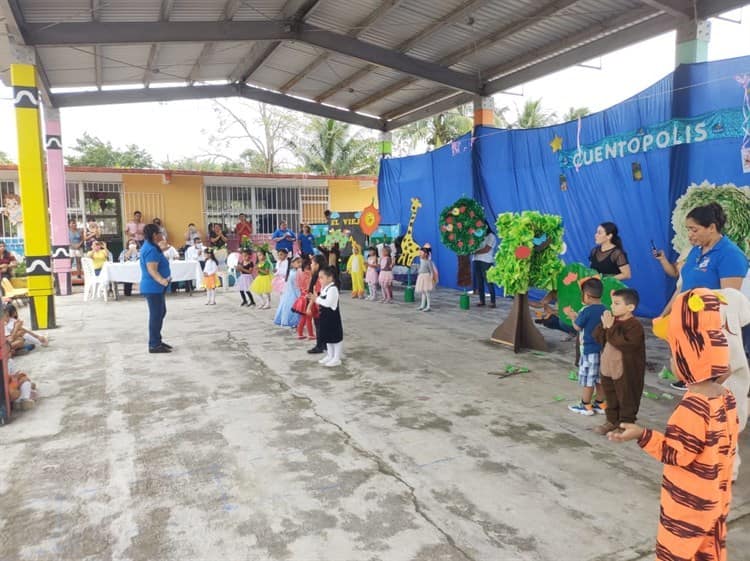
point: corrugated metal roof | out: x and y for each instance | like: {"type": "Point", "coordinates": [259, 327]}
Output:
{"type": "Point", "coordinates": [455, 26]}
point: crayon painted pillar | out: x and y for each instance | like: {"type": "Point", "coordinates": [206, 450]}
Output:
{"type": "Point", "coordinates": [58, 205]}
{"type": "Point", "coordinates": [33, 196]}
{"type": "Point", "coordinates": [484, 112]}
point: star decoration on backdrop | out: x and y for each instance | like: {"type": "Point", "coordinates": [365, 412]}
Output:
{"type": "Point", "coordinates": [556, 144]}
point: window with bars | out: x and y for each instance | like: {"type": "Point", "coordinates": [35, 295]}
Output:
{"type": "Point", "coordinates": [6, 228]}
{"type": "Point", "coordinates": [265, 207]}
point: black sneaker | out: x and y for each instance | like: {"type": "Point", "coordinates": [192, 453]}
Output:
{"type": "Point", "coordinates": [159, 349]}
{"type": "Point", "coordinates": [315, 351]}
{"type": "Point", "coordinates": [678, 385]}
{"type": "Point", "coordinates": [163, 344]}
{"type": "Point", "coordinates": [243, 304]}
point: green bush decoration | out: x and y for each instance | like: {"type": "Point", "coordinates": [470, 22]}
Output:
{"type": "Point", "coordinates": [529, 248]}
{"type": "Point", "coordinates": [569, 288]}
{"type": "Point", "coordinates": [736, 204]}
{"type": "Point", "coordinates": [462, 227]}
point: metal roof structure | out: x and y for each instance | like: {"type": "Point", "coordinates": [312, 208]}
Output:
{"type": "Point", "coordinates": [376, 63]}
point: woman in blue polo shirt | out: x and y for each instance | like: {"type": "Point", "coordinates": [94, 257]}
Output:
{"type": "Point", "coordinates": [714, 262]}
{"type": "Point", "coordinates": [155, 277]}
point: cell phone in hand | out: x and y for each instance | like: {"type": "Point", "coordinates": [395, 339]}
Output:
{"type": "Point", "coordinates": [653, 246]}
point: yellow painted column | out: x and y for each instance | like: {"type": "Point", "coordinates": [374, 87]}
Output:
{"type": "Point", "coordinates": [36, 242]}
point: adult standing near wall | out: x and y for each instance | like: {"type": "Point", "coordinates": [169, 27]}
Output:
{"type": "Point", "coordinates": [714, 262]}
{"type": "Point", "coordinates": [134, 228]}
{"type": "Point", "coordinates": [484, 258]}
{"type": "Point", "coordinates": [284, 237]}
{"type": "Point", "coordinates": [307, 241]}
{"type": "Point", "coordinates": [608, 256]}
{"type": "Point", "coordinates": [155, 278]}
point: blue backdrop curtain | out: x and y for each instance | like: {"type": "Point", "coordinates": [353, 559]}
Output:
{"type": "Point", "coordinates": [515, 170]}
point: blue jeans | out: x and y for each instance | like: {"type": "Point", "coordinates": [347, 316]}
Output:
{"type": "Point", "coordinates": [480, 277]}
{"type": "Point", "coordinates": [157, 309]}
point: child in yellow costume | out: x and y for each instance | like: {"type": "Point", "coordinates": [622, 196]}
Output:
{"type": "Point", "coordinates": [699, 445]}
{"type": "Point", "coordinates": [356, 268]}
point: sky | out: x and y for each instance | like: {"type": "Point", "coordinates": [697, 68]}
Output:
{"type": "Point", "coordinates": [182, 128]}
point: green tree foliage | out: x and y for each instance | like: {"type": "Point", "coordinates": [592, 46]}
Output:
{"type": "Point", "coordinates": [94, 152]}
{"type": "Point", "coordinates": [574, 112]}
{"type": "Point", "coordinates": [435, 131]}
{"type": "Point", "coordinates": [4, 158]}
{"type": "Point", "coordinates": [330, 147]}
{"type": "Point", "coordinates": [533, 115]}
{"type": "Point", "coordinates": [529, 249]}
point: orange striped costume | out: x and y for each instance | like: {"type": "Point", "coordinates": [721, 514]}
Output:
{"type": "Point", "coordinates": [699, 445]}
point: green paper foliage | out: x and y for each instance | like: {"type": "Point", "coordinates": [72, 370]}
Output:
{"type": "Point", "coordinates": [525, 230]}
{"type": "Point", "coordinates": [736, 204]}
{"type": "Point", "coordinates": [569, 288]}
{"type": "Point", "coordinates": [462, 227]}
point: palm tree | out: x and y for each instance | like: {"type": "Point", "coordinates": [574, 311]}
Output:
{"type": "Point", "coordinates": [575, 112]}
{"type": "Point", "coordinates": [533, 115]}
{"type": "Point", "coordinates": [435, 131]}
{"type": "Point", "coordinates": [331, 148]}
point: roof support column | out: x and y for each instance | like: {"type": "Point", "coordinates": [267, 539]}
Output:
{"type": "Point", "coordinates": [58, 205]}
{"type": "Point", "coordinates": [484, 111]}
{"type": "Point", "coordinates": [692, 41]}
{"type": "Point", "coordinates": [386, 144]}
{"type": "Point", "coordinates": [36, 240]}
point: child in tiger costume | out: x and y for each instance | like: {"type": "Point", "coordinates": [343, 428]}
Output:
{"type": "Point", "coordinates": [699, 445]}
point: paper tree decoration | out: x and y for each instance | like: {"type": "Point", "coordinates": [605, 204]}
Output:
{"type": "Point", "coordinates": [736, 204]}
{"type": "Point", "coordinates": [462, 230]}
{"type": "Point", "coordinates": [528, 257]}
{"type": "Point", "coordinates": [569, 288]}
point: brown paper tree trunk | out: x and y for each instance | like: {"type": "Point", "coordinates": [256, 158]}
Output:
{"type": "Point", "coordinates": [464, 270]}
{"type": "Point", "coordinates": [518, 330]}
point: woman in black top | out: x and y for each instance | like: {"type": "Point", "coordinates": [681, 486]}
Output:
{"type": "Point", "coordinates": [608, 257]}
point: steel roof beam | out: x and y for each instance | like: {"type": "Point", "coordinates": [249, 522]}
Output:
{"type": "Point", "coordinates": [547, 10]}
{"type": "Point", "coordinates": [144, 95]}
{"type": "Point", "coordinates": [710, 8]}
{"type": "Point", "coordinates": [453, 17]}
{"type": "Point", "coordinates": [97, 33]}
{"type": "Point", "coordinates": [372, 18]}
{"type": "Point", "coordinates": [227, 14]}
{"type": "Point", "coordinates": [153, 54]}
{"type": "Point", "coordinates": [388, 58]}
{"type": "Point", "coordinates": [678, 8]}
{"type": "Point", "coordinates": [259, 53]}
{"type": "Point", "coordinates": [98, 71]}
{"type": "Point", "coordinates": [541, 63]}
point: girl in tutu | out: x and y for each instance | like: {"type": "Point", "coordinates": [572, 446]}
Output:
{"type": "Point", "coordinates": [426, 277]}
{"type": "Point", "coordinates": [210, 268]}
{"type": "Point", "coordinates": [262, 283]}
{"type": "Point", "coordinates": [282, 271]}
{"type": "Point", "coordinates": [372, 273]}
{"type": "Point", "coordinates": [285, 317]}
{"type": "Point", "coordinates": [245, 269]}
{"type": "Point", "coordinates": [386, 275]}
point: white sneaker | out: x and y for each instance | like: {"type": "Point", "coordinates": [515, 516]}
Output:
{"type": "Point", "coordinates": [331, 364]}
{"type": "Point", "coordinates": [325, 359]}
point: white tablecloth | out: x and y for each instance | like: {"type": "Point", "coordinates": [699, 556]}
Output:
{"type": "Point", "coordinates": [131, 272]}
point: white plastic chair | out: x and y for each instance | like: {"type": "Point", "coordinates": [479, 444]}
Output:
{"type": "Point", "coordinates": [233, 260]}
{"type": "Point", "coordinates": [93, 287]}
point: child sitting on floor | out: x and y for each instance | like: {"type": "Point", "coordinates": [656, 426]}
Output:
{"type": "Point", "coordinates": [21, 390]}
{"type": "Point", "coordinates": [623, 360]}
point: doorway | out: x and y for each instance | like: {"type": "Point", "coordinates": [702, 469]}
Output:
{"type": "Point", "coordinates": [106, 209]}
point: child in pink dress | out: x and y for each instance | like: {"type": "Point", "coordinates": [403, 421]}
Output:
{"type": "Point", "coordinates": [386, 275]}
{"type": "Point", "coordinates": [371, 278]}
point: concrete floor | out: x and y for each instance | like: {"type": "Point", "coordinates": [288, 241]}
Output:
{"type": "Point", "coordinates": [239, 447]}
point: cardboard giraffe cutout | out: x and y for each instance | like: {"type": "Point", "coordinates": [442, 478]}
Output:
{"type": "Point", "coordinates": [410, 248]}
